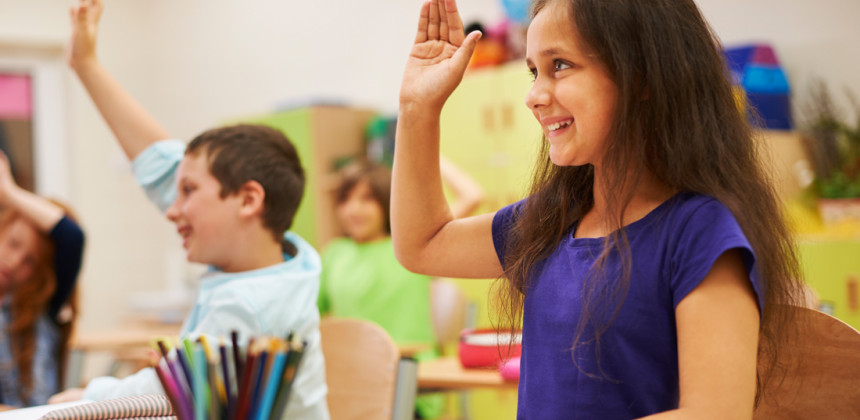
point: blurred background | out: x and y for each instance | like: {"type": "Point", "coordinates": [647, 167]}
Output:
{"type": "Point", "coordinates": [195, 64]}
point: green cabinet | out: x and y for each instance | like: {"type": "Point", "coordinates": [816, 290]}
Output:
{"type": "Point", "coordinates": [487, 130]}
{"type": "Point", "coordinates": [831, 267]}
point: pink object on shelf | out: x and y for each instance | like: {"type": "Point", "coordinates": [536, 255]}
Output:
{"type": "Point", "coordinates": [486, 348]}
{"type": "Point", "coordinates": [510, 369]}
{"type": "Point", "coordinates": [15, 96]}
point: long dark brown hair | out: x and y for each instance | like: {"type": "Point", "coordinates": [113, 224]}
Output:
{"type": "Point", "coordinates": [30, 301]}
{"type": "Point", "coordinates": [677, 118]}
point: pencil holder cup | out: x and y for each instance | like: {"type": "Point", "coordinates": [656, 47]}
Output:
{"type": "Point", "coordinates": [487, 348]}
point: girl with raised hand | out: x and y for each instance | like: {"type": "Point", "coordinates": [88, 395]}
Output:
{"type": "Point", "coordinates": [41, 249]}
{"type": "Point", "coordinates": [650, 257]}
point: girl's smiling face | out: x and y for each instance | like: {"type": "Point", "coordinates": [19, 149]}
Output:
{"type": "Point", "coordinates": [573, 96]}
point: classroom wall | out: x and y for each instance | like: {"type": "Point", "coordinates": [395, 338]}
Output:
{"type": "Point", "coordinates": [194, 63]}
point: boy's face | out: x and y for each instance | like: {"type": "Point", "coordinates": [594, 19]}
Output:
{"type": "Point", "coordinates": [206, 222]}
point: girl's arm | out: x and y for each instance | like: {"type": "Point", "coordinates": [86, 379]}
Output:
{"type": "Point", "coordinates": [468, 194]}
{"type": "Point", "coordinates": [133, 126]}
{"type": "Point", "coordinates": [69, 250]}
{"type": "Point", "coordinates": [40, 212]}
{"type": "Point", "coordinates": [49, 219]}
{"type": "Point", "coordinates": [718, 326]}
{"type": "Point", "coordinates": [426, 237]}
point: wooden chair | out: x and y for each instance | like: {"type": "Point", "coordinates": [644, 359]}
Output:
{"type": "Point", "coordinates": [451, 312]}
{"type": "Point", "coordinates": [448, 310]}
{"type": "Point", "coordinates": [822, 379]}
{"type": "Point", "coordinates": [362, 368]}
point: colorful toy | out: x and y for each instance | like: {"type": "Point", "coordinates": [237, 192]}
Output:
{"type": "Point", "coordinates": [756, 70]}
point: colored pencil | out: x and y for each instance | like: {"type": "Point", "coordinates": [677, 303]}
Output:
{"type": "Point", "coordinates": [225, 372]}
{"type": "Point", "coordinates": [201, 384]}
{"type": "Point", "coordinates": [245, 387]}
{"type": "Point", "coordinates": [258, 378]}
{"type": "Point", "coordinates": [237, 358]}
{"type": "Point", "coordinates": [290, 369]}
{"type": "Point", "coordinates": [188, 345]}
{"type": "Point", "coordinates": [274, 377]}
{"type": "Point", "coordinates": [169, 390]}
{"type": "Point", "coordinates": [211, 391]}
{"type": "Point", "coordinates": [185, 368]}
{"type": "Point", "coordinates": [174, 371]}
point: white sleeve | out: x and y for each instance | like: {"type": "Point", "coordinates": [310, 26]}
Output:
{"type": "Point", "coordinates": [143, 382]}
{"type": "Point", "coordinates": [155, 171]}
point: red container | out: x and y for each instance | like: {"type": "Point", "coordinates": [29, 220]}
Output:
{"type": "Point", "coordinates": [487, 348]}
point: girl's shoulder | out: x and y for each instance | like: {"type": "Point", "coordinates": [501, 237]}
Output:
{"type": "Point", "coordinates": [688, 206]}
{"type": "Point", "coordinates": [692, 220]}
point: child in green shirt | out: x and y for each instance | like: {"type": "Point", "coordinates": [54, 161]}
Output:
{"type": "Point", "coordinates": [361, 277]}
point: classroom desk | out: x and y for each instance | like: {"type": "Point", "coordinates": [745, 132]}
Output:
{"type": "Point", "coordinates": [122, 338]}
{"type": "Point", "coordinates": [129, 343]}
{"type": "Point", "coordinates": [143, 336]}
{"type": "Point", "coordinates": [446, 373]}
{"type": "Point", "coordinates": [411, 349]}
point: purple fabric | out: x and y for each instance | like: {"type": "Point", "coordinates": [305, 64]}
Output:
{"type": "Point", "coordinates": [634, 372]}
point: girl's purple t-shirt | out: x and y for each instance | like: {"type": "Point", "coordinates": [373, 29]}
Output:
{"type": "Point", "coordinates": [633, 370]}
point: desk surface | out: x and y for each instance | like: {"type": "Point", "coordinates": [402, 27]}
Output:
{"type": "Point", "coordinates": [143, 335]}
{"type": "Point", "coordinates": [447, 373]}
{"type": "Point", "coordinates": [121, 338]}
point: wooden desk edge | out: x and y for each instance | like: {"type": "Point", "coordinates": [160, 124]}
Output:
{"type": "Point", "coordinates": [446, 373]}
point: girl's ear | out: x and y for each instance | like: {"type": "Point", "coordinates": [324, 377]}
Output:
{"type": "Point", "coordinates": [253, 197]}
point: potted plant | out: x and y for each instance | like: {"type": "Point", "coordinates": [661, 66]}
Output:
{"type": "Point", "coordinates": [833, 148]}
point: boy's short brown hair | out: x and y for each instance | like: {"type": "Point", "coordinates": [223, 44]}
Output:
{"type": "Point", "coordinates": [247, 152]}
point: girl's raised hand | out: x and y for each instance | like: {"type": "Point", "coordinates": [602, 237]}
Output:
{"type": "Point", "coordinates": [7, 182]}
{"type": "Point", "coordinates": [85, 20]}
{"type": "Point", "coordinates": [439, 56]}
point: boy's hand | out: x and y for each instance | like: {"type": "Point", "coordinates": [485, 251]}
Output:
{"type": "Point", "coordinates": [69, 395]}
{"type": "Point", "coordinates": [439, 56]}
{"type": "Point", "coordinates": [85, 19]}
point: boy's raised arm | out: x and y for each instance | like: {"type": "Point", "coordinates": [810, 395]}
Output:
{"type": "Point", "coordinates": [133, 126]}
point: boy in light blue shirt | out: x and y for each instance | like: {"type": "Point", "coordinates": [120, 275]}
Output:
{"type": "Point", "coordinates": [232, 194]}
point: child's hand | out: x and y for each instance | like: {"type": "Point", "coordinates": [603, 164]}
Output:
{"type": "Point", "coordinates": [85, 19]}
{"type": "Point", "coordinates": [439, 56]}
{"type": "Point", "coordinates": [69, 395]}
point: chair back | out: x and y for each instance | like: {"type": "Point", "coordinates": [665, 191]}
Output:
{"type": "Point", "coordinates": [448, 310]}
{"type": "Point", "coordinates": [361, 369]}
{"type": "Point", "coordinates": [822, 366]}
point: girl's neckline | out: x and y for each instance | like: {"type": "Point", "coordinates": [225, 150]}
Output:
{"type": "Point", "coordinates": [631, 228]}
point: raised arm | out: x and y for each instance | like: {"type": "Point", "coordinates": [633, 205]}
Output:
{"type": "Point", "coordinates": [40, 212]}
{"type": "Point", "coordinates": [468, 195]}
{"type": "Point", "coordinates": [47, 218]}
{"type": "Point", "coordinates": [427, 238]}
{"type": "Point", "coordinates": [133, 126]}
